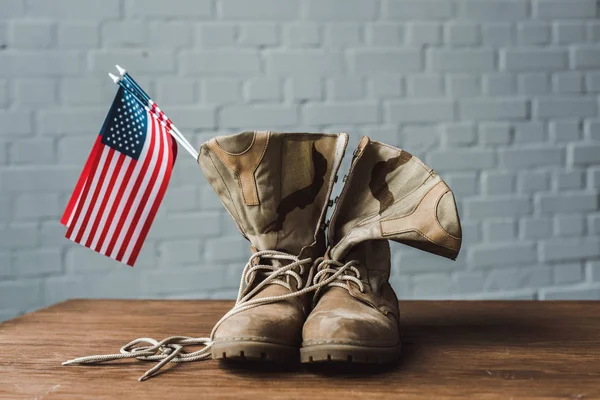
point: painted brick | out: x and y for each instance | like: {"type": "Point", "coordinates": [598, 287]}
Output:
{"type": "Point", "coordinates": [497, 34]}
{"type": "Point", "coordinates": [334, 10]}
{"type": "Point", "coordinates": [499, 84]}
{"type": "Point", "coordinates": [529, 132]}
{"type": "Point", "coordinates": [456, 60]}
{"type": "Point", "coordinates": [569, 249]}
{"type": "Point", "coordinates": [32, 34]}
{"type": "Point", "coordinates": [493, 9]}
{"type": "Point", "coordinates": [463, 85]}
{"type": "Point", "coordinates": [459, 134]}
{"type": "Point", "coordinates": [39, 63]}
{"type": "Point", "coordinates": [568, 273]}
{"type": "Point", "coordinates": [221, 90]}
{"type": "Point", "coordinates": [304, 62]}
{"type": "Point", "coordinates": [274, 10]}
{"type": "Point", "coordinates": [532, 181]}
{"type": "Point", "coordinates": [417, 9]}
{"type": "Point", "coordinates": [40, 262]}
{"type": "Point", "coordinates": [245, 117]}
{"type": "Point", "coordinates": [71, 9]}
{"type": "Point", "coordinates": [533, 84]}
{"type": "Point", "coordinates": [220, 63]}
{"type": "Point", "coordinates": [420, 111]}
{"type": "Point", "coordinates": [586, 57]}
{"type": "Point", "coordinates": [499, 230]}
{"type": "Point", "coordinates": [385, 61]}
{"type": "Point", "coordinates": [508, 254]}
{"type": "Point", "coordinates": [350, 113]}
{"type": "Point", "coordinates": [521, 158]}
{"type": "Point", "coordinates": [533, 59]}
{"type": "Point", "coordinates": [78, 34]}
{"type": "Point", "coordinates": [584, 153]}
{"type": "Point", "coordinates": [177, 8]}
{"type": "Point", "coordinates": [567, 202]}
{"type": "Point", "coordinates": [564, 130]}
{"type": "Point", "coordinates": [305, 88]}
{"type": "Point", "coordinates": [498, 133]}
{"type": "Point", "coordinates": [213, 36]}
{"type": "Point", "coordinates": [259, 34]}
{"type": "Point", "coordinates": [169, 35]}
{"type": "Point", "coordinates": [378, 34]}
{"type": "Point", "coordinates": [386, 86]}
{"type": "Point", "coordinates": [497, 183]}
{"type": "Point", "coordinates": [534, 32]}
{"type": "Point", "coordinates": [462, 34]}
{"type": "Point", "coordinates": [569, 225]}
{"type": "Point", "coordinates": [493, 108]}
{"type": "Point", "coordinates": [568, 180]}
{"type": "Point", "coordinates": [535, 228]}
{"type": "Point", "coordinates": [346, 89]}
{"type": "Point", "coordinates": [566, 32]}
{"type": "Point", "coordinates": [424, 33]}
{"type": "Point", "coordinates": [506, 206]}
{"type": "Point", "coordinates": [571, 293]}
{"type": "Point", "coordinates": [564, 9]}
{"type": "Point", "coordinates": [565, 107]}
{"type": "Point", "coordinates": [425, 85]}
{"type": "Point", "coordinates": [461, 159]}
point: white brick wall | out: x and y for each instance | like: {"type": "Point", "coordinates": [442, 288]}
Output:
{"type": "Point", "coordinates": [499, 96]}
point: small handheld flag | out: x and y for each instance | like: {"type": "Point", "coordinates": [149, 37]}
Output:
{"type": "Point", "coordinates": [125, 177]}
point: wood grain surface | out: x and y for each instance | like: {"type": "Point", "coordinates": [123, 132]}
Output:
{"type": "Point", "coordinates": [457, 350]}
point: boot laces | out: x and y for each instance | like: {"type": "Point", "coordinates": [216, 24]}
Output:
{"type": "Point", "coordinates": [171, 349]}
{"type": "Point", "coordinates": [343, 273]}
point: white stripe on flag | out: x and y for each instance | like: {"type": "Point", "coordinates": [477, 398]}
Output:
{"type": "Point", "coordinates": [90, 194]}
{"type": "Point", "coordinates": [131, 181]}
{"type": "Point", "coordinates": [111, 201]}
{"type": "Point", "coordinates": [156, 184]}
{"type": "Point", "coordinates": [103, 192]}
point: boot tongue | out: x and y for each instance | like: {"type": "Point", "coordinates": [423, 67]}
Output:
{"type": "Point", "coordinates": [274, 185]}
{"type": "Point", "coordinates": [389, 194]}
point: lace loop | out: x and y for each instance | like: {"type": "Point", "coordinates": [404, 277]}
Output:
{"type": "Point", "coordinates": [344, 274]}
{"type": "Point", "coordinates": [171, 349]}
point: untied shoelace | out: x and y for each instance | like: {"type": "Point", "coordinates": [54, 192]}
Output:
{"type": "Point", "coordinates": [171, 349]}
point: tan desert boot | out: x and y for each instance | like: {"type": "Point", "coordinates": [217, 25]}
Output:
{"type": "Point", "coordinates": [276, 186]}
{"type": "Point", "coordinates": [388, 194]}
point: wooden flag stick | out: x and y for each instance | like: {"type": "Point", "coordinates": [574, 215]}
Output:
{"type": "Point", "coordinates": [135, 92]}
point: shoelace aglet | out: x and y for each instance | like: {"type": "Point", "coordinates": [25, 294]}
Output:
{"type": "Point", "coordinates": [70, 362]}
{"type": "Point", "coordinates": [145, 376]}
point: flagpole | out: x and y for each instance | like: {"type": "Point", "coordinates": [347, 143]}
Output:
{"type": "Point", "coordinates": [140, 96]}
{"type": "Point", "coordinates": [152, 105]}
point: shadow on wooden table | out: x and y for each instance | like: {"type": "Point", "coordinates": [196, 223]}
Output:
{"type": "Point", "coordinates": [421, 333]}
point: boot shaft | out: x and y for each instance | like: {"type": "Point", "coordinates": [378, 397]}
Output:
{"type": "Point", "coordinates": [276, 186]}
{"type": "Point", "coordinates": [390, 194]}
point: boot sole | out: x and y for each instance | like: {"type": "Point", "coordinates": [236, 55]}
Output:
{"type": "Point", "coordinates": [254, 351]}
{"type": "Point", "coordinates": [349, 354]}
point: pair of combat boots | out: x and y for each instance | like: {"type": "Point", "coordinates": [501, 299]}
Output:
{"type": "Point", "coordinates": [329, 299]}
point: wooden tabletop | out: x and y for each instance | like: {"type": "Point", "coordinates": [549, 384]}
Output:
{"type": "Point", "coordinates": [458, 350]}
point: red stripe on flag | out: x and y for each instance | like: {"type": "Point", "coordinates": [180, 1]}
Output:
{"type": "Point", "coordinates": [83, 196]}
{"type": "Point", "coordinates": [135, 189]}
{"type": "Point", "coordinates": [114, 207]}
{"type": "Point", "coordinates": [105, 168]}
{"type": "Point", "coordinates": [140, 207]}
{"type": "Point", "coordinates": [94, 154]}
{"type": "Point", "coordinates": [159, 197]}
{"type": "Point", "coordinates": [109, 190]}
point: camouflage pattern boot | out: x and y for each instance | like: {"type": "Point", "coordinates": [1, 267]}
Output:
{"type": "Point", "coordinates": [388, 194]}
{"type": "Point", "coordinates": [276, 186]}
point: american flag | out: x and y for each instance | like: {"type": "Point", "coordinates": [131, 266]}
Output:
{"type": "Point", "coordinates": [123, 181]}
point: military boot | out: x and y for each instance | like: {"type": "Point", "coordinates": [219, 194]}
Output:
{"type": "Point", "coordinates": [276, 186]}
{"type": "Point", "coordinates": [388, 194]}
